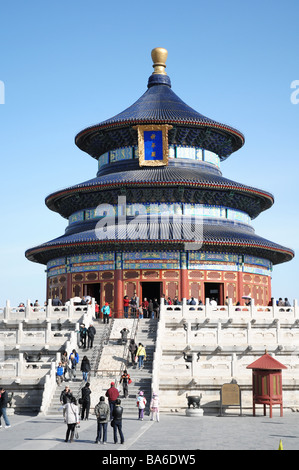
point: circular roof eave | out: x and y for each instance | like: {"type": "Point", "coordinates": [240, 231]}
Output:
{"type": "Point", "coordinates": [214, 237]}
{"type": "Point", "coordinates": [160, 105]}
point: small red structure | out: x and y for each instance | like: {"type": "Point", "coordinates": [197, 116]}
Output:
{"type": "Point", "coordinates": [267, 382]}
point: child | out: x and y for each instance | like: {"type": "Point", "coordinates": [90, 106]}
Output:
{"type": "Point", "coordinates": [59, 374]}
{"type": "Point", "coordinates": [141, 402]}
{"type": "Point", "coordinates": [154, 407]}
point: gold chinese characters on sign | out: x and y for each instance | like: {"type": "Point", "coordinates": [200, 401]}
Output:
{"type": "Point", "coordinates": [153, 145]}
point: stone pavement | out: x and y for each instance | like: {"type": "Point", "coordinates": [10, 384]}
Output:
{"type": "Point", "coordinates": [173, 432]}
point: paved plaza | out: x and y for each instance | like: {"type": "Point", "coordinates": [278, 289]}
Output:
{"type": "Point", "coordinates": [174, 432]}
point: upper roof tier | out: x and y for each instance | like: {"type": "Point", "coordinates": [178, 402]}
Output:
{"type": "Point", "coordinates": [160, 105]}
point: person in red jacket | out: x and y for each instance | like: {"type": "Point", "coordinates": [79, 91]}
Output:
{"type": "Point", "coordinates": [112, 394]}
{"type": "Point", "coordinates": [144, 306]}
{"type": "Point", "coordinates": [126, 306]}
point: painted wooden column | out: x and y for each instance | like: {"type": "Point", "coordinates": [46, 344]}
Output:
{"type": "Point", "coordinates": [184, 276]}
{"type": "Point", "coordinates": [118, 287]}
{"type": "Point", "coordinates": [69, 292]}
{"type": "Point", "coordinates": [240, 286]}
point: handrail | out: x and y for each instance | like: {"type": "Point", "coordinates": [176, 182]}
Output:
{"type": "Point", "coordinates": [126, 348]}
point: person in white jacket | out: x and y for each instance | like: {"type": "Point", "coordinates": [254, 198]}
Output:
{"type": "Point", "coordinates": [141, 402]}
{"type": "Point", "coordinates": [72, 418]}
{"type": "Point", "coordinates": [154, 407]}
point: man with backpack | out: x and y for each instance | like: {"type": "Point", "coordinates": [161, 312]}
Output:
{"type": "Point", "coordinates": [102, 413]}
{"type": "Point", "coordinates": [106, 312]}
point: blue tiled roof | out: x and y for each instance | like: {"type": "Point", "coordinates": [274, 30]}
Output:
{"type": "Point", "coordinates": [217, 236]}
{"type": "Point", "coordinates": [159, 104]}
{"type": "Point", "coordinates": [196, 175]}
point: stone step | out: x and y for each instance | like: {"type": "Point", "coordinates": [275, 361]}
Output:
{"type": "Point", "coordinates": [141, 378]}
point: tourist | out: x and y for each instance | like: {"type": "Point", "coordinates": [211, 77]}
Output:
{"type": "Point", "coordinates": [140, 312]}
{"type": "Point", "coordinates": [72, 418]}
{"type": "Point", "coordinates": [97, 310]}
{"type": "Point", "coordinates": [126, 306]}
{"type": "Point", "coordinates": [85, 401]}
{"type": "Point", "coordinates": [83, 334]}
{"type": "Point", "coordinates": [141, 355]}
{"type": "Point", "coordinates": [74, 360]}
{"type": "Point", "coordinates": [154, 407]}
{"type": "Point", "coordinates": [134, 304]}
{"type": "Point", "coordinates": [112, 394]}
{"type": "Point", "coordinates": [64, 363]}
{"type": "Point", "coordinates": [156, 308]}
{"type": "Point", "coordinates": [287, 304]}
{"type": "Point", "coordinates": [124, 335]}
{"type": "Point", "coordinates": [85, 368]}
{"type": "Point", "coordinates": [213, 304]}
{"type": "Point", "coordinates": [103, 414]}
{"type": "Point", "coordinates": [106, 312]}
{"type": "Point", "coordinates": [59, 374]}
{"type": "Point", "coordinates": [65, 397]}
{"type": "Point", "coordinates": [144, 306]}
{"type": "Point", "coordinates": [141, 402]}
{"type": "Point", "coordinates": [91, 332]}
{"type": "Point", "coordinates": [117, 422]}
{"type": "Point", "coordinates": [56, 302]}
{"type": "Point", "coordinates": [151, 309]}
{"type": "Point", "coordinates": [3, 407]}
{"type": "Point", "coordinates": [280, 302]}
{"type": "Point", "coordinates": [133, 350]}
{"type": "Point", "coordinates": [125, 380]}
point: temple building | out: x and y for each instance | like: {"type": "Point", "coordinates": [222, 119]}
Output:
{"type": "Point", "coordinates": [159, 217]}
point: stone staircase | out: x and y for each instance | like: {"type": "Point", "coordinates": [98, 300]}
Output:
{"type": "Point", "coordinates": [141, 378]}
{"type": "Point", "coordinates": [93, 354]}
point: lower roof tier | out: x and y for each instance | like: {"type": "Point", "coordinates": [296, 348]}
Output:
{"type": "Point", "coordinates": [181, 181]}
{"type": "Point", "coordinates": [173, 235]}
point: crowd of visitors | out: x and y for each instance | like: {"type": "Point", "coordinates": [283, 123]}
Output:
{"type": "Point", "coordinates": [105, 412]}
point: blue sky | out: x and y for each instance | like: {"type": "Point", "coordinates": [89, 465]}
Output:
{"type": "Point", "coordinates": [68, 65]}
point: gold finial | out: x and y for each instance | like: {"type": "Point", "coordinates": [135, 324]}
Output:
{"type": "Point", "coordinates": [159, 56]}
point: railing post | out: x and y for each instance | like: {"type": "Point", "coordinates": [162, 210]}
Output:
{"type": "Point", "coordinates": [20, 365]}
{"type": "Point", "coordinates": [7, 310]}
{"type": "Point", "coordinates": [47, 334]}
{"type": "Point", "coordinates": [49, 309]}
{"type": "Point", "coordinates": [184, 307]}
{"type": "Point", "coordinates": [27, 309]}
{"type": "Point", "coordinates": [274, 307]}
{"type": "Point", "coordinates": [19, 335]}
